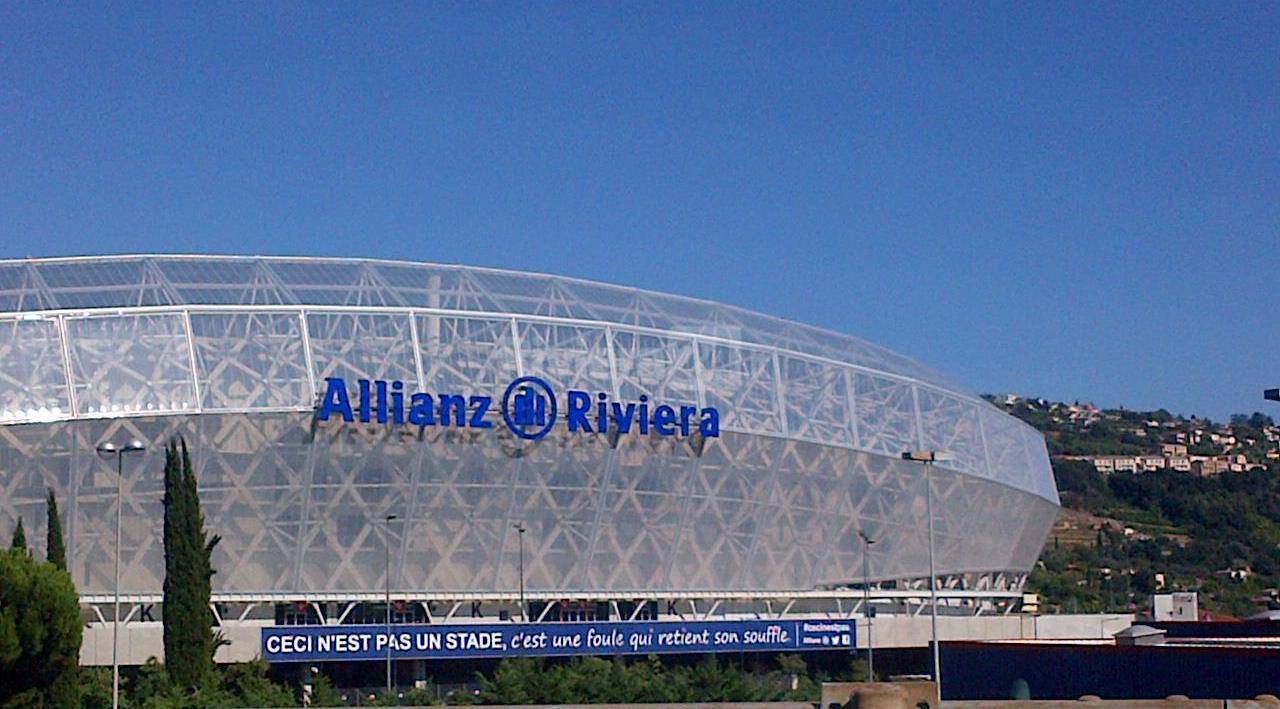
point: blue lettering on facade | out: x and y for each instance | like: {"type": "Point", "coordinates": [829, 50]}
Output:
{"type": "Point", "coordinates": [528, 408]}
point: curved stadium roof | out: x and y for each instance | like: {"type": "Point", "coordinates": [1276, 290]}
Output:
{"type": "Point", "coordinates": [70, 287]}
{"type": "Point", "coordinates": [129, 281]}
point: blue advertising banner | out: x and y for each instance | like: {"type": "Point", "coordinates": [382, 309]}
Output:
{"type": "Point", "coordinates": [321, 643]}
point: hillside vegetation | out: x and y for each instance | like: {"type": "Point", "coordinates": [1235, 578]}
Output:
{"type": "Point", "coordinates": [1124, 536]}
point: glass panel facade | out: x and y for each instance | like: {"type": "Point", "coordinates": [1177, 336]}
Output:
{"type": "Point", "coordinates": [250, 360]}
{"type": "Point", "coordinates": [229, 353]}
{"type": "Point", "coordinates": [33, 379]}
{"type": "Point", "coordinates": [123, 364]}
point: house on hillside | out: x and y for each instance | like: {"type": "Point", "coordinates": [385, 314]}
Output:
{"type": "Point", "coordinates": [1173, 450]}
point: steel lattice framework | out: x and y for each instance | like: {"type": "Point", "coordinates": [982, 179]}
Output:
{"type": "Point", "coordinates": [227, 352]}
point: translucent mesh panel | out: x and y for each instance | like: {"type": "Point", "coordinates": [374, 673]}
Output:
{"type": "Point", "coordinates": [361, 346]}
{"type": "Point", "coordinates": [556, 496]}
{"type": "Point", "coordinates": [1009, 460]}
{"type": "Point", "coordinates": [817, 401]}
{"type": "Point", "coordinates": [434, 287]}
{"type": "Point", "coordinates": [513, 292]}
{"type": "Point", "coordinates": [252, 482]}
{"type": "Point", "coordinates": [304, 513]}
{"type": "Point", "coordinates": [559, 298]}
{"type": "Point", "coordinates": [334, 283]}
{"type": "Point", "coordinates": [885, 411]}
{"type": "Point", "coordinates": [567, 356]}
{"type": "Point", "coordinates": [33, 381]}
{"type": "Point", "coordinates": [638, 519]}
{"type": "Point", "coordinates": [19, 290]}
{"type": "Point", "coordinates": [129, 281]}
{"type": "Point", "coordinates": [663, 368]}
{"type": "Point", "coordinates": [130, 363]}
{"type": "Point", "coordinates": [464, 355]}
{"type": "Point", "coordinates": [249, 360]}
{"type": "Point", "coordinates": [1042, 478]}
{"type": "Point", "coordinates": [104, 284]}
{"type": "Point", "coordinates": [224, 281]}
{"type": "Point", "coordinates": [448, 288]}
{"type": "Point", "coordinates": [742, 385]}
{"type": "Point", "coordinates": [950, 424]}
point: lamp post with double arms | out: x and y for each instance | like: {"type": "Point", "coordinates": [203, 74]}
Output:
{"type": "Point", "coordinates": [386, 548]}
{"type": "Point", "coordinates": [106, 451]}
{"type": "Point", "coordinates": [866, 600]}
{"type": "Point", "coordinates": [927, 459]}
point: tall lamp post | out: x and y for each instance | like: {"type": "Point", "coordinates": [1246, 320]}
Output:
{"type": "Point", "coordinates": [520, 530]}
{"type": "Point", "coordinates": [866, 600]}
{"type": "Point", "coordinates": [106, 451]}
{"type": "Point", "coordinates": [927, 459]}
{"type": "Point", "coordinates": [386, 549]}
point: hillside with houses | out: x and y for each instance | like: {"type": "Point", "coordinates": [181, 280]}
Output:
{"type": "Point", "coordinates": [1156, 502]}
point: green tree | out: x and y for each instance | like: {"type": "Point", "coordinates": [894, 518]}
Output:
{"type": "Point", "coordinates": [40, 633]}
{"type": "Point", "coordinates": [188, 633]}
{"type": "Point", "coordinates": [96, 684]}
{"type": "Point", "coordinates": [249, 686]}
{"type": "Point", "coordinates": [323, 694]}
{"type": "Point", "coordinates": [19, 537]}
{"type": "Point", "coordinates": [55, 549]}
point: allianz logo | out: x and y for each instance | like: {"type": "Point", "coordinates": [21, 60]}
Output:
{"type": "Point", "coordinates": [529, 408]}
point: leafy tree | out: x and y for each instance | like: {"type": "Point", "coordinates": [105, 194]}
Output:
{"type": "Point", "coordinates": [40, 633]}
{"type": "Point", "coordinates": [248, 685]}
{"type": "Point", "coordinates": [189, 642]}
{"type": "Point", "coordinates": [55, 549]}
{"type": "Point", "coordinates": [323, 694]}
{"type": "Point", "coordinates": [19, 541]}
{"type": "Point", "coordinates": [95, 685]}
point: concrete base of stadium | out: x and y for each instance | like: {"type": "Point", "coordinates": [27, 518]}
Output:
{"type": "Point", "coordinates": [142, 640]}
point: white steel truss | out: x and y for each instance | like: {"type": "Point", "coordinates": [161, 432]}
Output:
{"type": "Point", "coordinates": [227, 352]}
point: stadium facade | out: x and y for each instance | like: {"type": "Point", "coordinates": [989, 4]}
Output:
{"type": "Point", "coordinates": [237, 354]}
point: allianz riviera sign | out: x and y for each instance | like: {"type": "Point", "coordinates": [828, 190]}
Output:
{"type": "Point", "coordinates": [529, 409]}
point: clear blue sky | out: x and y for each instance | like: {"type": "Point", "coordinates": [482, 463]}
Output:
{"type": "Point", "coordinates": [1076, 200]}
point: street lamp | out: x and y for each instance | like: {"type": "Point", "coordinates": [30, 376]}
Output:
{"type": "Point", "coordinates": [520, 530]}
{"type": "Point", "coordinates": [927, 459]}
{"type": "Point", "coordinates": [866, 600]}
{"type": "Point", "coordinates": [386, 548]}
{"type": "Point", "coordinates": [106, 450]}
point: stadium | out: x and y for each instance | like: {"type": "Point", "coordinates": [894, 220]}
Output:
{"type": "Point", "coordinates": [242, 357]}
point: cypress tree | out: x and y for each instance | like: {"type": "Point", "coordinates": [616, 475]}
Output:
{"type": "Point", "coordinates": [55, 550]}
{"type": "Point", "coordinates": [188, 579]}
{"type": "Point", "coordinates": [19, 538]}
